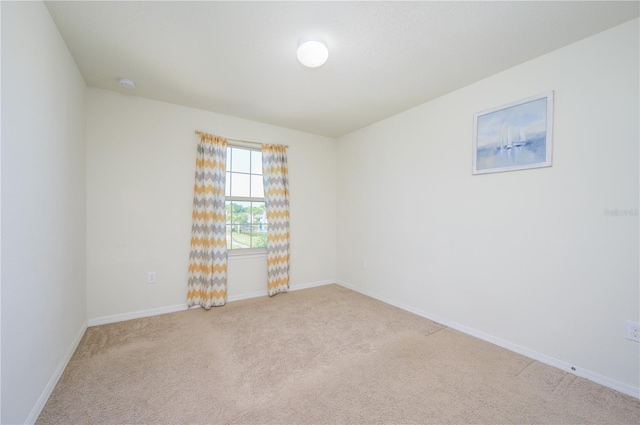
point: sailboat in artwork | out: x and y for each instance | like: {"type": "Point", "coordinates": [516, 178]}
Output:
{"type": "Point", "coordinates": [503, 138]}
{"type": "Point", "coordinates": [511, 137]}
{"type": "Point", "coordinates": [522, 140]}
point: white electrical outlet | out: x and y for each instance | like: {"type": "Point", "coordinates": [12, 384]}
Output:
{"type": "Point", "coordinates": [151, 277]}
{"type": "Point", "coordinates": [633, 331]}
{"type": "Point", "coordinates": [364, 265]}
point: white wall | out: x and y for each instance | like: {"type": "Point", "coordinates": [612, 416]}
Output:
{"type": "Point", "coordinates": [527, 257]}
{"type": "Point", "coordinates": [140, 175]}
{"type": "Point", "coordinates": [43, 208]}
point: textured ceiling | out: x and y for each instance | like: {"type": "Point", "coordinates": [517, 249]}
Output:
{"type": "Point", "coordinates": [238, 58]}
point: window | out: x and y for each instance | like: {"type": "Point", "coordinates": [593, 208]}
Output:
{"type": "Point", "coordinates": [246, 212]}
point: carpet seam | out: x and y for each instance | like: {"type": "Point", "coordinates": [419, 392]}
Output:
{"type": "Point", "coordinates": [526, 366]}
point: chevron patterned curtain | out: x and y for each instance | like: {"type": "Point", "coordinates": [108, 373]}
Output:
{"type": "Point", "coordinates": [207, 285]}
{"type": "Point", "coordinates": [276, 197]}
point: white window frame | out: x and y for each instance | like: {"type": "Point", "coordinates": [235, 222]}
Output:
{"type": "Point", "coordinates": [243, 252]}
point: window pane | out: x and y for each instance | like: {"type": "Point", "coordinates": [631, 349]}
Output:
{"type": "Point", "coordinates": [240, 212]}
{"type": "Point", "coordinates": [257, 190]}
{"type": "Point", "coordinates": [240, 159]}
{"type": "Point", "coordinates": [228, 207]}
{"type": "Point", "coordinates": [228, 237]}
{"type": "Point", "coordinates": [259, 214]}
{"type": "Point", "coordinates": [228, 164]}
{"type": "Point", "coordinates": [240, 229]}
{"type": "Point", "coordinates": [240, 184]}
{"type": "Point", "coordinates": [240, 236]}
{"type": "Point", "coordinates": [239, 239]}
{"type": "Point", "coordinates": [256, 162]}
{"type": "Point", "coordinates": [258, 236]}
{"type": "Point", "coordinates": [227, 185]}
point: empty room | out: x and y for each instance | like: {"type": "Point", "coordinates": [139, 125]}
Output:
{"type": "Point", "coordinates": [320, 212]}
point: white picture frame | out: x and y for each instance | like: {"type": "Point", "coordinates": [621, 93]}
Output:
{"type": "Point", "coordinates": [514, 136]}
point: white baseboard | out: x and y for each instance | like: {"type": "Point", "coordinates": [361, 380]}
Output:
{"type": "Point", "coordinates": [311, 284]}
{"type": "Point", "coordinates": [246, 296]}
{"type": "Point", "coordinates": [292, 287]}
{"type": "Point", "coordinates": [103, 320]}
{"type": "Point", "coordinates": [543, 358]}
{"type": "Point", "coordinates": [44, 397]}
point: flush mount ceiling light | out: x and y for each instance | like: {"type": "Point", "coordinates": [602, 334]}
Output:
{"type": "Point", "coordinates": [312, 51]}
{"type": "Point", "coordinates": [127, 83]}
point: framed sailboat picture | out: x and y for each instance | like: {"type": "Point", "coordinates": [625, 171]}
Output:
{"type": "Point", "coordinates": [515, 136]}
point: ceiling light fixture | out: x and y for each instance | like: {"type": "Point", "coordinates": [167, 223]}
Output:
{"type": "Point", "coordinates": [127, 83]}
{"type": "Point", "coordinates": [312, 51]}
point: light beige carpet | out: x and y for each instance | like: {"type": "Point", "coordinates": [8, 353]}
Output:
{"type": "Point", "coordinates": [317, 356]}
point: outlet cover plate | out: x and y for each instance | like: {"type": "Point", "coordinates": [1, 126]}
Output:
{"type": "Point", "coordinates": [633, 331]}
{"type": "Point", "coordinates": [151, 277]}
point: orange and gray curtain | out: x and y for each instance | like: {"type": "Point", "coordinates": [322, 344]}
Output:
{"type": "Point", "coordinates": [207, 285]}
{"type": "Point", "coordinates": [276, 197]}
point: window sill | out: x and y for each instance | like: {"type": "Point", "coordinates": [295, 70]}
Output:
{"type": "Point", "coordinates": [241, 254]}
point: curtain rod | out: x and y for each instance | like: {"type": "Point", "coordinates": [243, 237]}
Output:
{"type": "Point", "coordinates": [240, 140]}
